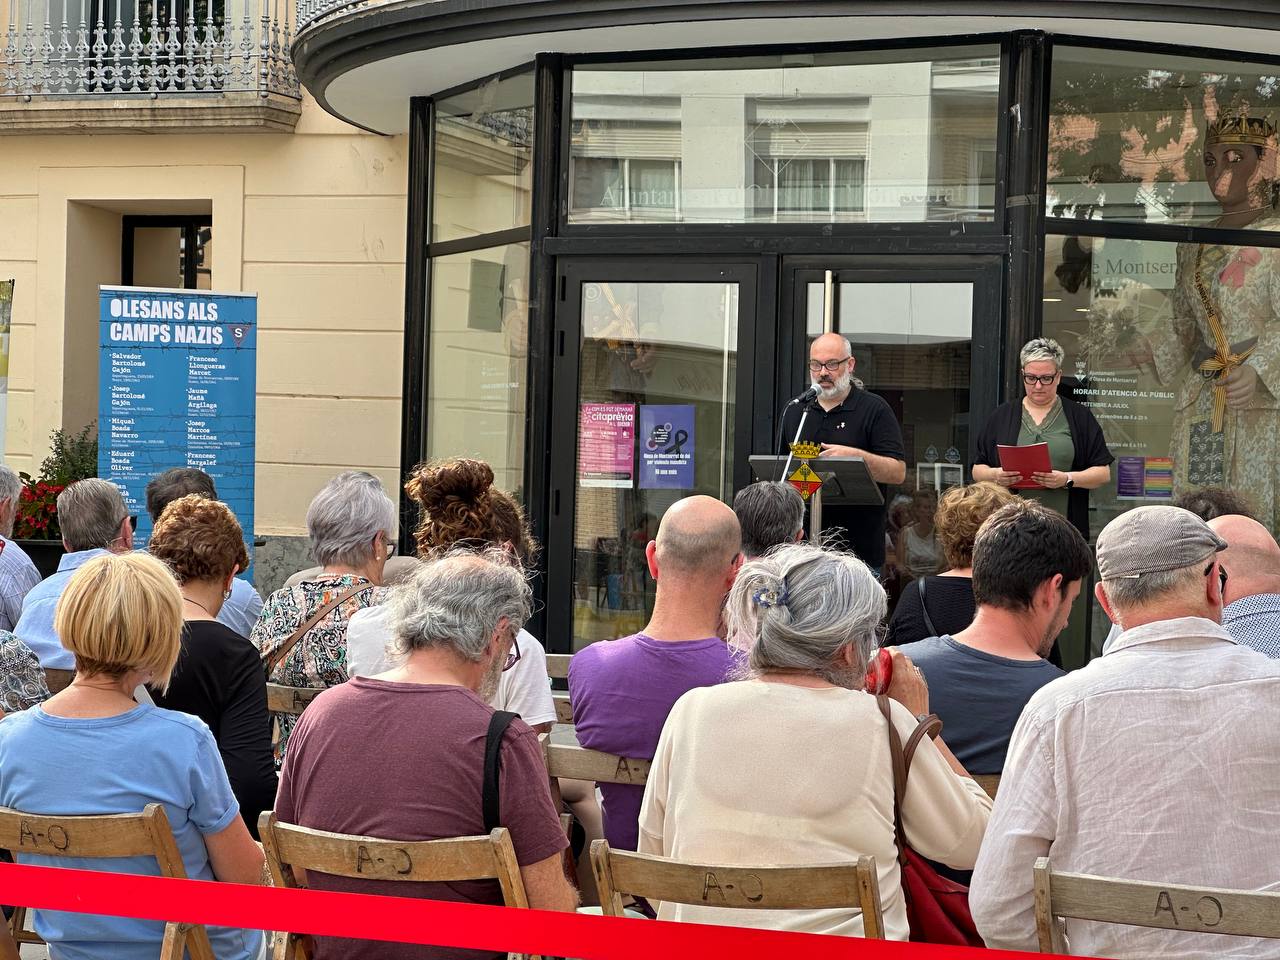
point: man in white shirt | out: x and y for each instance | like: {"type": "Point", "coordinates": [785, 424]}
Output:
{"type": "Point", "coordinates": [1155, 762]}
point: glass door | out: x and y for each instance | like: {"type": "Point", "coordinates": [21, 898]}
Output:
{"type": "Point", "coordinates": [925, 332]}
{"type": "Point", "coordinates": [653, 363]}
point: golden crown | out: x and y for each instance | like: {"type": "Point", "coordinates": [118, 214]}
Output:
{"type": "Point", "coordinates": [1241, 128]}
{"type": "Point", "coordinates": [805, 450]}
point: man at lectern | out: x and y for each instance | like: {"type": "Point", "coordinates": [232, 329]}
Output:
{"type": "Point", "coordinates": [848, 421]}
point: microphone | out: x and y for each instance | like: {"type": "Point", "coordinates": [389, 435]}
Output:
{"type": "Point", "coordinates": [808, 396]}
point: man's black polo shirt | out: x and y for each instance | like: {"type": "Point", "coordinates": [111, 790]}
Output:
{"type": "Point", "coordinates": [864, 421]}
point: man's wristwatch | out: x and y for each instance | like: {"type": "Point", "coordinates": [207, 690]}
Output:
{"type": "Point", "coordinates": [1070, 483]}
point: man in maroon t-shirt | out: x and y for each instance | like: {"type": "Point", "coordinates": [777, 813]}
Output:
{"type": "Point", "coordinates": [400, 755]}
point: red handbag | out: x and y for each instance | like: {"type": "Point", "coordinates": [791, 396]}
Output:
{"type": "Point", "coordinates": [937, 908]}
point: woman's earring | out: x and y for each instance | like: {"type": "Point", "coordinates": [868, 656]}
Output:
{"type": "Point", "coordinates": [226, 594]}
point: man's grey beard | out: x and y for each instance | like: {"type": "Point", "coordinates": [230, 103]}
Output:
{"type": "Point", "coordinates": [489, 684]}
{"type": "Point", "coordinates": [838, 389]}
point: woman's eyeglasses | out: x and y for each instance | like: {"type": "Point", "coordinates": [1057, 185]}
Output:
{"type": "Point", "coordinates": [1030, 379]}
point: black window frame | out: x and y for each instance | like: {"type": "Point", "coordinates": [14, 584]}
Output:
{"type": "Point", "coordinates": [190, 224]}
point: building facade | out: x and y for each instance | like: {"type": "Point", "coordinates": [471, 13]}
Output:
{"type": "Point", "coordinates": [169, 145]}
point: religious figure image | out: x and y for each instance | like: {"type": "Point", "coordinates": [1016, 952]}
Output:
{"type": "Point", "coordinates": [1222, 355]}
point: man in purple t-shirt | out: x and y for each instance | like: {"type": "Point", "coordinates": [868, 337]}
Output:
{"type": "Point", "coordinates": [623, 690]}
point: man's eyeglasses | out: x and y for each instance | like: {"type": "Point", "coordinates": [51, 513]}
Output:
{"type": "Point", "coordinates": [831, 366]}
{"type": "Point", "coordinates": [1030, 379]}
{"type": "Point", "coordinates": [1222, 576]}
{"type": "Point", "coordinates": [514, 656]}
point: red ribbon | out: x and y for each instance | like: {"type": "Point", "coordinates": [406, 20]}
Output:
{"type": "Point", "coordinates": [437, 922]}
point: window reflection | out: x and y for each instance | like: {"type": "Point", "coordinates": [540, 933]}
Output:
{"type": "Point", "coordinates": [483, 159]}
{"type": "Point", "coordinates": [1155, 138]}
{"type": "Point", "coordinates": [906, 135]}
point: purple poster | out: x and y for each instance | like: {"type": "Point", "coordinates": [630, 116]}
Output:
{"type": "Point", "coordinates": [606, 445]}
{"type": "Point", "coordinates": [1130, 478]}
{"type": "Point", "coordinates": [666, 447]}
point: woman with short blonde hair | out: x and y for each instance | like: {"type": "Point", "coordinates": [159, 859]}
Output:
{"type": "Point", "coordinates": [93, 749]}
{"type": "Point", "coordinates": [943, 604]}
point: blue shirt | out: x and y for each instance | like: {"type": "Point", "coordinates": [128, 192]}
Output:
{"type": "Point", "coordinates": [1255, 622]}
{"type": "Point", "coordinates": [35, 626]}
{"type": "Point", "coordinates": [59, 765]}
{"type": "Point", "coordinates": [17, 576]}
{"type": "Point", "coordinates": [240, 610]}
{"type": "Point", "coordinates": [978, 696]}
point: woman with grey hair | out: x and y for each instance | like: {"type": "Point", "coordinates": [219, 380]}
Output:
{"type": "Point", "coordinates": [1078, 451]}
{"type": "Point", "coordinates": [792, 765]}
{"type": "Point", "coordinates": [301, 633]}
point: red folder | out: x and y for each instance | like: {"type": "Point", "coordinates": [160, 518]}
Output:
{"type": "Point", "coordinates": [1026, 461]}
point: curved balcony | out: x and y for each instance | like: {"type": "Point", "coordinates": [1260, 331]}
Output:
{"type": "Point", "coordinates": [363, 59]}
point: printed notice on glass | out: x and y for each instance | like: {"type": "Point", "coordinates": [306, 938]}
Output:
{"type": "Point", "coordinates": [177, 388]}
{"type": "Point", "coordinates": [607, 445]}
{"type": "Point", "coordinates": [666, 447]}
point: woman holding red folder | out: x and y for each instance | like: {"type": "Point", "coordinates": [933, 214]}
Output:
{"type": "Point", "coordinates": [1078, 451]}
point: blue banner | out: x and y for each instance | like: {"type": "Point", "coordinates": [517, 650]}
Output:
{"type": "Point", "coordinates": [177, 387]}
{"type": "Point", "coordinates": [666, 447]}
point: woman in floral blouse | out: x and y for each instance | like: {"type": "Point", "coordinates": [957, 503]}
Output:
{"type": "Point", "coordinates": [350, 523]}
{"type": "Point", "coordinates": [21, 679]}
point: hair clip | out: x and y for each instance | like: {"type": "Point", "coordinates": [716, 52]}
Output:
{"type": "Point", "coordinates": [769, 598]}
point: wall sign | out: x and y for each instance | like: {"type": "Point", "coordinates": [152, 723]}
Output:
{"type": "Point", "coordinates": [177, 387]}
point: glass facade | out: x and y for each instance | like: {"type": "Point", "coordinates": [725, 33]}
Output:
{"type": "Point", "coordinates": [902, 136]}
{"type": "Point", "coordinates": [1159, 265]}
{"type": "Point", "coordinates": [483, 159]}
{"type": "Point", "coordinates": [1154, 138]}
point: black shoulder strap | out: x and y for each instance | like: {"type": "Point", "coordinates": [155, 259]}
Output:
{"type": "Point", "coordinates": [498, 724]}
{"type": "Point", "coordinates": [924, 609]}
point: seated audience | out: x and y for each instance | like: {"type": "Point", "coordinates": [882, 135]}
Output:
{"type": "Point", "coordinates": [792, 765]}
{"type": "Point", "coordinates": [1028, 566]}
{"type": "Point", "coordinates": [622, 690]}
{"type": "Point", "coordinates": [1252, 594]}
{"type": "Point", "coordinates": [240, 610]}
{"type": "Point", "coordinates": [94, 521]}
{"type": "Point", "coordinates": [417, 772]}
{"type": "Point", "coordinates": [22, 683]}
{"type": "Point", "coordinates": [935, 605]}
{"type": "Point", "coordinates": [91, 749]}
{"type": "Point", "coordinates": [351, 523]}
{"type": "Point", "coordinates": [17, 573]}
{"type": "Point", "coordinates": [770, 514]}
{"type": "Point", "coordinates": [218, 677]}
{"type": "Point", "coordinates": [1156, 761]}
{"type": "Point", "coordinates": [460, 505]}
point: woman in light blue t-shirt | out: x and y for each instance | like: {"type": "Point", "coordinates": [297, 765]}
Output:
{"type": "Point", "coordinates": [92, 749]}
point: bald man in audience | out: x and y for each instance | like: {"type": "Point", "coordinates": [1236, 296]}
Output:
{"type": "Point", "coordinates": [622, 690]}
{"type": "Point", "coordinates": [1252, 591]}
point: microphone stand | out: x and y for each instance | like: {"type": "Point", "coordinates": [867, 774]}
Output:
{"type": "Point", "coordinates": [804, 416]}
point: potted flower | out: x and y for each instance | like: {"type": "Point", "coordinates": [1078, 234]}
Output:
{"type": "Point", "coordinates": [72, 457]}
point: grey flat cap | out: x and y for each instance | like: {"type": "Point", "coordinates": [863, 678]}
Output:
{"type": "Point", "coordinates": [1152, 540]}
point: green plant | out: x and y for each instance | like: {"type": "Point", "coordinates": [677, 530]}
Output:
{"type": "Point", "coordinates": [71, 457]}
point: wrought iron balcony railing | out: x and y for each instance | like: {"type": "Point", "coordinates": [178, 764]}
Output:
{"type": "Point", "coordinates": [58, 49]}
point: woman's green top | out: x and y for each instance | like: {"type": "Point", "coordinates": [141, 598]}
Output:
{"type": "Point", "coordinates": [1056, 432]}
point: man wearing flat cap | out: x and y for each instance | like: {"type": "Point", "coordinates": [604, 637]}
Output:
{"type": "Point", "coordinates": [1158, 761]}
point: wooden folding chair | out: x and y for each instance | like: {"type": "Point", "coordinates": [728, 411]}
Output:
{"type": "Point", "coordinates": [989, 782]}
{"type": "Point", "coordinates": [58, 680]}
{"type": "Point", "coordinates": [810, 887]}
{"type": "Point", "coordinates": [292, 849]}
{"type": "Point", "coordinates": [578, 763]}
{"type": "Point", "coordinates": [291, 700]}
{"type": "Point", "coordinates": [1169, 906]}
{"type": "Point", "coordinates": [558, 665]}
{"type": "Point", "coordinates": [8, 949]}
{"type": "Point", "coordinates": [564, 709]}
{"type": "Point", "coordinates": [145, 834]}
